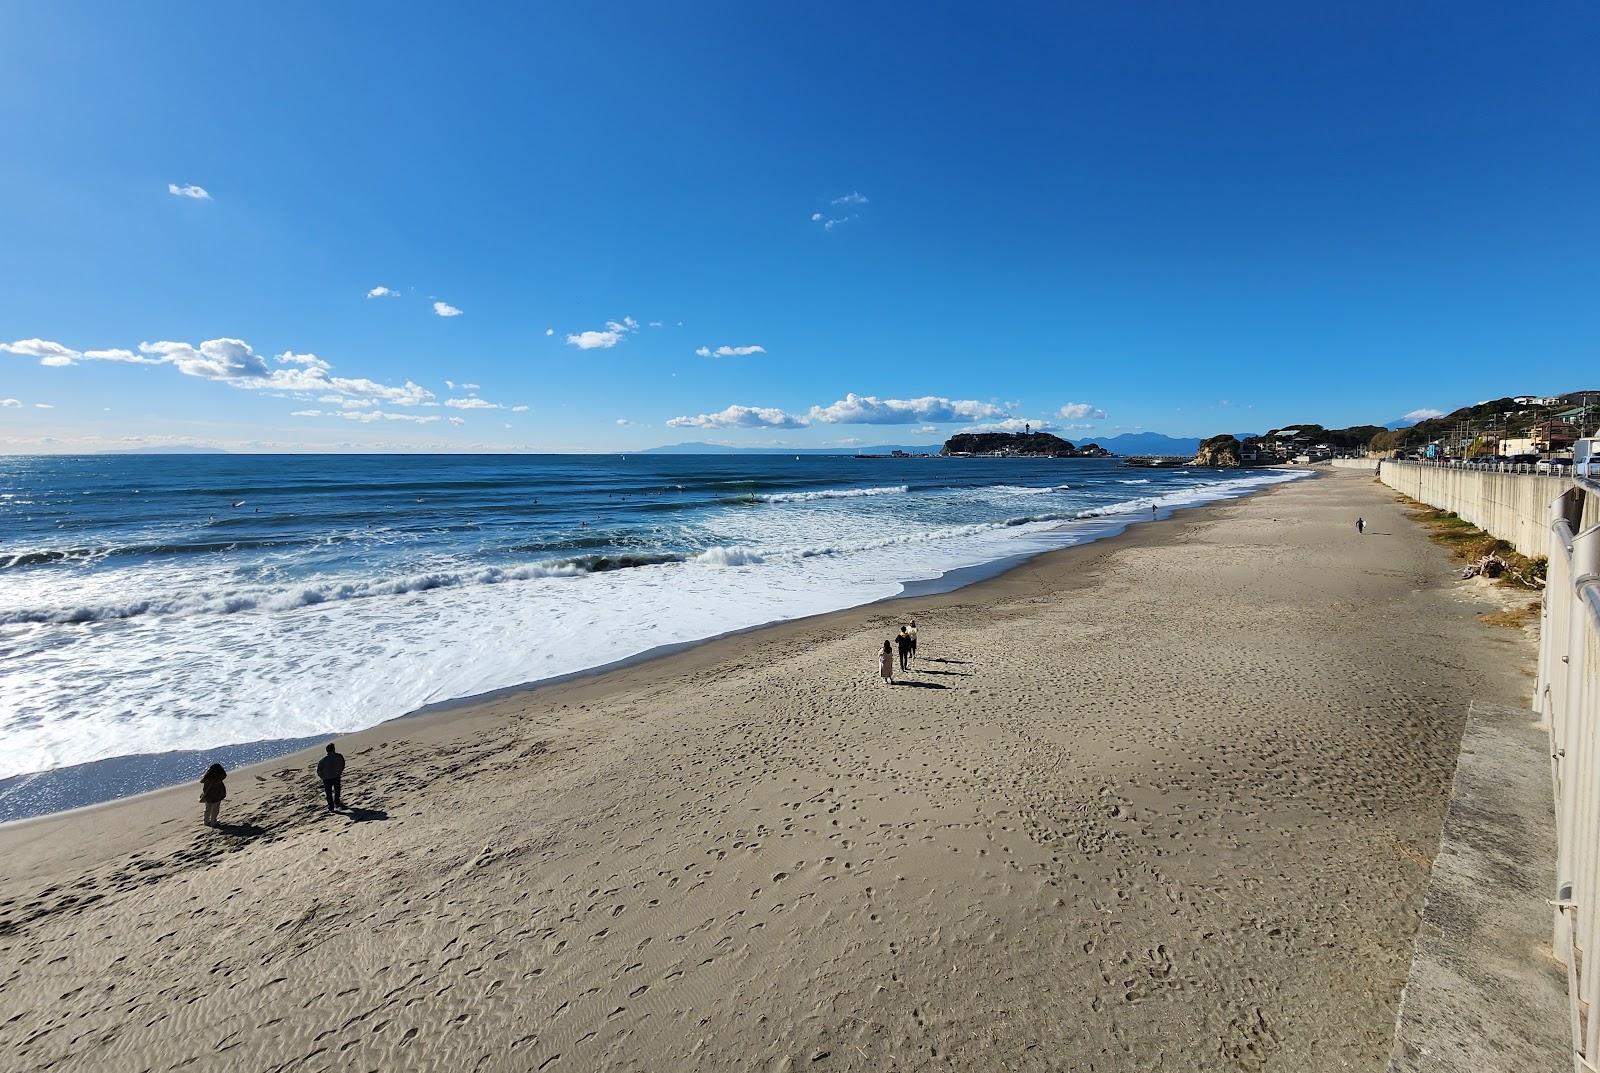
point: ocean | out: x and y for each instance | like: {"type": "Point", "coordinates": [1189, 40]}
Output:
{"type": "Point", "coordinates": [152, 604]}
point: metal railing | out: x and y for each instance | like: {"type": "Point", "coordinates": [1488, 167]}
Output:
{"type": "Point", "coordinates": [1541, 469]}
{"type": "Point", "coordinates": [1568, 695]}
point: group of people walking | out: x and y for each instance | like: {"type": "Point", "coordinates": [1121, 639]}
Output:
{"type": "Point", "coordinates": [904, 645]}
{"type": "Point", "coordinates": [214, 785]}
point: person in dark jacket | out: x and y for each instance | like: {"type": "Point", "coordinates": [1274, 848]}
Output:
{"type": "Point", "coordinates": [330, 769]}
{"type": "Point", "coordinates": [902, 644]}
{"type": "Point", "coordinates": [213, 788]}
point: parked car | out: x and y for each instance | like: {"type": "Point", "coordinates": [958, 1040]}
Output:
{"type": "Point", "coordinates": [1586, 458]}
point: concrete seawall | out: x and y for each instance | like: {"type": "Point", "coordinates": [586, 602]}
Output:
{"type": "Point", "coordinates": [1511, 506]}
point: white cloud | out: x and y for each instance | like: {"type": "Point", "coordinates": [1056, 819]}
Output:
{"type": "Point", "coordinates": [613, 334]}
{"type": "Point", "coordinates": [549, 331]}
{"type": "Point", "coordinates": [56, 355]}
{"type": "Point", "coordinates": [43, 349]}
{"type": "Point", "coordinates": [1077, 411]}
{"type": "Point", "coordinates": [445, 309]}
{"type": "Point", "coordinates": [472, 403]}
{"type": "Point", "coordinates": [816, 217]}
{"type": "Point", "coordinates": [235, 363]}
{"type": "Point", "coordinates": [43, 406]}
{"type": "Point", "coordinates": [729, 351]}
{"type": "Point", "coordinates": [928, 429]}
{"type": "Point", "coordinates": [1013, 424]}
{"type": "Point", "coordinates": [457, 420]}
{"type": "Point", "coordinates": [655, 324]}
{"type": "Point", "coordinates": [214, 359]}
{"type": "Point", "coordinates": [741, 417]}
{"type": "Point", "coordinates": [366, 417]}
{"type": "Point", "coordinates": [11, 404]}
{"type": "Point", "coordinates": [519, 409]}
{"type": "Point", "coordinates": [829, 225]}
{"type": "Point", "coordinates": [856, 409]}
{"type": "Point", "coordinates": [1423, 414]}
{"type": "Point", "coordinates": [621, 421]}
{"type": "Point", "coordinates": [852, 198]}
{"type": "Point", "coordinates": [199, 193]}
{"type": "Point", "coordinates": [383, 292]}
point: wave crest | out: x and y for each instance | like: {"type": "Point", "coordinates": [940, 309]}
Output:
{"type": "Point", "coordinates": [832, 493]}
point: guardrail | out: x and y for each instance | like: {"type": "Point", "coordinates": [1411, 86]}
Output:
{"type": "Point", "coordinates": [1542, 469]}
{"type": "Point", "coordinates": [1568, 698]}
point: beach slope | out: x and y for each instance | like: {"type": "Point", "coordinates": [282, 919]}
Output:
{"type": "Point", "coordinates": [1164, 802]}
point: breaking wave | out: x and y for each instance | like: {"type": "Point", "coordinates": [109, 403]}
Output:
{"type": "Point", "coordinates": [831, 493]}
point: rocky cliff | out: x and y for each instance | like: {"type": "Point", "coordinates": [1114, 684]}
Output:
{"type": "Point", "coordinates": [1220, 451]}
{"type": "Point", "coordinates": [1009, 443]}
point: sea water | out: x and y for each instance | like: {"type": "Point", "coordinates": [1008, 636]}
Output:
{"type": "Point", "coordinates": [159, 603]}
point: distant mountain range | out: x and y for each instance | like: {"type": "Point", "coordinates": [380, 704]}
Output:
{"type": "Point", "coordinates": [1128, 443]}
{"type": "Point", "coordinates": [721, 449]}
{"type": "Point", "coordinates": [1150, 443]}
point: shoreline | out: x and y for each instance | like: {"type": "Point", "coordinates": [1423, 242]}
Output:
{"type": "Point", "coordinates": [1150, 802]}
{"type": "Point", "coordinates": [32, 796]}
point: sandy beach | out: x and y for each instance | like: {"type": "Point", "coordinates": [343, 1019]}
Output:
{"type": "Point", "coordinates": [1162, 802]}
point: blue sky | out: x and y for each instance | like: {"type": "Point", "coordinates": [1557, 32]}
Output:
{"type": "Point", "coordinates": [1181, 218]}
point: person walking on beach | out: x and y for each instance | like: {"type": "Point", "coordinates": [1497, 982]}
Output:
{"type": "Point", "coordinates": [330, 769]}
{"type": "Point", "coordinates": [913, 632]}
{"type": "Point", "coordinates": [1361, 526]}
{"type": "Point", "coordinates": [886, 663]}
{"type": "Point", "coordinates": [213, 789]}
{"type": "Point", "coordinates": [902, 643]}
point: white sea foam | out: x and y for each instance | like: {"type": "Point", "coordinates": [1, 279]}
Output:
{"type": "Point", "coordinates": [831, 493]}
{"type": "Point", "coordinates": [245, 662]}
{"type": "Point", "coordinates": [1022, 489]}
{"type": "Point", "coordinates": [734, 556]}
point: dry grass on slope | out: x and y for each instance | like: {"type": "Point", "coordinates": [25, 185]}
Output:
{"type": "Point", "coordinates": [1469, 544]}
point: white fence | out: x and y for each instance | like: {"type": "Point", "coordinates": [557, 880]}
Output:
{"type": "Point", "coordinates": [1568, 697]}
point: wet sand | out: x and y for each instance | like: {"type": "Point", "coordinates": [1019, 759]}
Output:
{"type": "Point", "coordinates": [1166, 801]}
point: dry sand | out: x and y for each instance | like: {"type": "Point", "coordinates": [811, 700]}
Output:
{"type": "Point", "coordinates": [1166, 802]}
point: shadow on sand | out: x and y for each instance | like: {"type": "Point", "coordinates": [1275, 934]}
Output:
{"type": "Point", "coordinates": [919, 685]}
{"type": "Point", "coordinates": [363, 815]}
{"type": "Point", "coordinates": [240, 830]}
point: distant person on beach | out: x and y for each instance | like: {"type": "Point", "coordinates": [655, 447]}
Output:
{"type": "Point", "coordinates": [1361, 526]}
{"type": "Point", "coordinates": [213, 788]}
{"type": "Point", "coordinates": [913, 632]}
{"type": "Point", "coordinates": [886, 663]}
{"type": "Point", "coordinates": [330, 769]}
{"type": "Point", "coordinates": [902, 643]}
